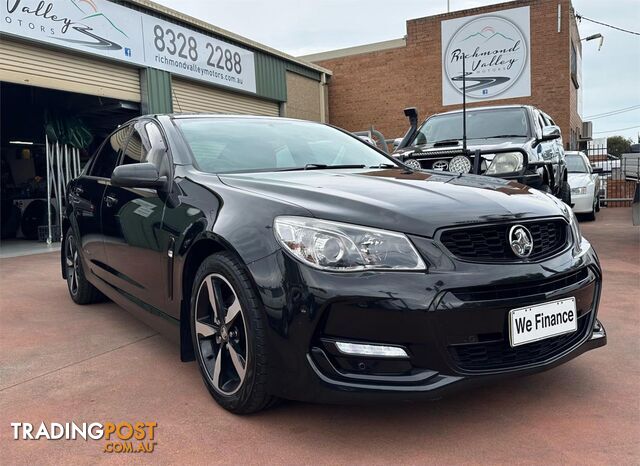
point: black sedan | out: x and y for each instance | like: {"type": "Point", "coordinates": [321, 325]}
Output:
{"type": "Point", "coordinates": [293, 260]}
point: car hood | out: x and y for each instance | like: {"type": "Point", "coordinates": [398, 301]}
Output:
{"type": "Point", "coordinates": [485, 145]}
{"type": "Point", "coordinates": [577, 180]}
{"type": "Point", "coordinates": [410, 202]}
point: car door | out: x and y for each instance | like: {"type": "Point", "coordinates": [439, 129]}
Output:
{"type": "Point", "coordinates": [132, 223]}
{"type": "Point", "coordinates": [85, 197]}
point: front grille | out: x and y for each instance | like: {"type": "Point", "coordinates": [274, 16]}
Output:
{"type": "Point", "coordinates": [490, 242]}
{"type": "Point", "coordinates": [519, 290]}
{"type": "Point", "coordinates": [496, 355]}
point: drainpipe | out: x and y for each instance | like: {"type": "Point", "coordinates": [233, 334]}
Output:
{"type": "Point", "coordinates": [323, 98]}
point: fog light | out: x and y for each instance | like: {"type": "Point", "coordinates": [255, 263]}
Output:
{"type": "Point", "coordinates": [460, 164]}
{"type": "Point", "coordinates": [359, 349]}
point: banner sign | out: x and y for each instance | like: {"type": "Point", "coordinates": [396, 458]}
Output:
{"type": "Point", "coordinates": [497, 52]}
{"type": "Point", "coordinates": [113, 31]}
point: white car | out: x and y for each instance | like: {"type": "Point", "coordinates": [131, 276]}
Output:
{"type": "Point", "coordinates": [585, 184]}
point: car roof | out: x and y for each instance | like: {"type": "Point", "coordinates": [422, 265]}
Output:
{"type": "Point", "coordinates": [488, 107]}
{"type": "Point", "coordinates": [185, 115]}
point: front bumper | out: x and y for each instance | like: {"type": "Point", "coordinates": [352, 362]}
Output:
{"type": "Point", "coordinates": [452, 321]}
{"type": "Point", "coordinates": [582, 203]}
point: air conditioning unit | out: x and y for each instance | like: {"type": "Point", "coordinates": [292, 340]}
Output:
{"type": "Point", "coordinates": [587, 130]}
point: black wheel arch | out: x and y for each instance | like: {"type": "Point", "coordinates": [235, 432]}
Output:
{"type": "Point", "coordinates": [204, 247]}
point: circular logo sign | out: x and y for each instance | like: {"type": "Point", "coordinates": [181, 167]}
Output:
{"type": "Point", "coordinates": [496, 54]}
{"type": "Point", "coordinates": [521, 241]}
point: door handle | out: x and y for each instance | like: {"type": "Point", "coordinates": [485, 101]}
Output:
{"type": "Point", "coordinates": [110, 200]}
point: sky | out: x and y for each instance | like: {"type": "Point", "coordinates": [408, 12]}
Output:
{"type": "Point", "coordinates": [611, 76]}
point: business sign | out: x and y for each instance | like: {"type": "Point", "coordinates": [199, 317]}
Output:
{"type": "Point", "coordinates": [109, 30]}
{"type": "Point", "coordinates": [496, 51]}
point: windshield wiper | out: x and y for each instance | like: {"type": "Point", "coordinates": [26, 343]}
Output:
{"type": "Point", "coordinates": [384, 165]}
{"type": "Point", "coordinates": [506, 136]}
{"type": "Point", "coordinates": [322, 166]}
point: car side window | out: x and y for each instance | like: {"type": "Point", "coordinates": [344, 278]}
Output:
{"type": "Point", "coordinates": [146, 144]}
{"type": "Point", "coordinates": [107, 157]}
{"type": "Point", "coordinates": [136, 150]}
{"type": "Point", "coordinates": [541, 122]}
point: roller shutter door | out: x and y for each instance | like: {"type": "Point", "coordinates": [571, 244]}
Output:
{"type": "Point", "coordinates": [189, 96]}
{"type": "Point", "coordinates": [41, 66]}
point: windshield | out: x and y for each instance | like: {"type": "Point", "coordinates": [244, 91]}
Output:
{"type": "Point", "coordinates": [223, 145]}
{"type": "Point", "coordinates": [576, 164]}
{"type": "Point", "coordinates": [481, 124]}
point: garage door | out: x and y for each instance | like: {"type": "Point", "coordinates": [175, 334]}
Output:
{"type": "Point", "coordinates": [40, 66]}
{"type": "Point", "coordinates": [189, 96]}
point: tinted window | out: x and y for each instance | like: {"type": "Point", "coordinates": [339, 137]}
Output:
{"type": "Point", "coordinates": [136, 150]}
{"type": "Point", "coordinates": [482, 124]}
{"type": "Point", "coordinates": [158, 156]}
{"type": "Point", "coordinates": [228, 145]}
{"type": "Point", "coordinates": [107, 158]}
{"type": "Point", "coordinates": [145, 144]}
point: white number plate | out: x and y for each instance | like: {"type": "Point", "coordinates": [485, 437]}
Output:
{"type": "Point", "coordinates": [534, 323]}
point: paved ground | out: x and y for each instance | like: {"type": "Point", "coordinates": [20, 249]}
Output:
{"type": "Point", "coordinates": [62, 362]}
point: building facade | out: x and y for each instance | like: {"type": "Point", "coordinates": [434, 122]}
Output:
{"type": "Point", "coordinates": [524, 52]}
{"type": "Point", "coordinates": [71, 71]}
{"type": "Point", "coordinates": [139, 51]}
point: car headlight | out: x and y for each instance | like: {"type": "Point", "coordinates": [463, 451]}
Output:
{"type": "Point", "coordinates": [581, 190]}
{"type": "Point", "coordinates": [341, 247]}
{"type": "Point", "coordinates": [506, 162]}
{"type": "Point", "coordinates": [575, 230]}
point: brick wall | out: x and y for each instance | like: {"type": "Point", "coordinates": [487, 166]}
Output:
{"type": "Point", "coordinates": [303, 98]}
{"type": "Point", "coordinates": [373, 88]}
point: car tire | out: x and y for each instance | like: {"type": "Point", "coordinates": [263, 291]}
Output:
{"type": "Point", "coordinates": [230, 350]}
{"type": "Point", "coordinates": [598, 203]}
{"type": "Point", "coordinates": [592, 215]}
{"type": "Point", "coordinates": [80, 290]}
{"type": "Point", "coordinates": [565, 193]}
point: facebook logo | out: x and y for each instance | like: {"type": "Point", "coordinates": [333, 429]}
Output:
{"type": "Point", "coordinates": [127, 51]}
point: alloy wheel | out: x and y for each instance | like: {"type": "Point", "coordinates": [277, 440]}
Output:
{"type": "Point", "coordinates": [221, 334]}
{"type": "Point", "coordinates": [73, 263]}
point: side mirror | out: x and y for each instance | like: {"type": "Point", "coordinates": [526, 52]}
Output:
{"type": "Point", "coordinates": [597, 170]}
{"type": "Point", "coordinates": [550, 133]}
{"type": "Point", "coordinates": [138, 175]}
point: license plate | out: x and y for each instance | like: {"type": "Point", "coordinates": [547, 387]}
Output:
{"type": "Point", "coordinates": [535, 323]}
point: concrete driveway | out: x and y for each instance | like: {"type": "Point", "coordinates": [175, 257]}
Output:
{"type": "Point", "coordinates": [60, 362]}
